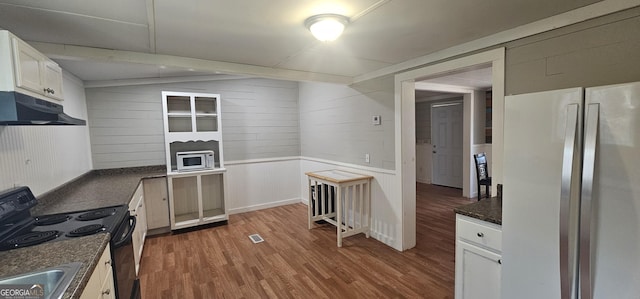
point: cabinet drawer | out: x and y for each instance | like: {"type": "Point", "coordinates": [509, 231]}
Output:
{"type": "Point", "coordinates": [479, 232]}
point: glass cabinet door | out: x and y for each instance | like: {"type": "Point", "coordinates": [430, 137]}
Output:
{"type": "Point", "coordinates": [179, 114]}
{"type": "Point", "coordinates": [206, 112]}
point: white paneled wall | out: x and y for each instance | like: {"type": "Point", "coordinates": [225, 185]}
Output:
{"type": "Point", "coordinates": [385, 210]}
{"type": "Point", "coordinates": [260, 184]}
{"type": "Point", "coordinates": [336, 125]}
{"type": "Point", "coordinates": [423, 162]}
{"type": "Point", "coordinates": [423, 122]}
{"type": "Point", "coordinates": [44, 157]}
{"type": "Point", "coordinates": [259, 120]}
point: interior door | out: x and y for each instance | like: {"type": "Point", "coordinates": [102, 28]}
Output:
{"type": "Point", "coordinates": [446, 134]}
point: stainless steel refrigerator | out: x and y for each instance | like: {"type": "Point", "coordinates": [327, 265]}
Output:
{"type": "Point", "coordinates": [571, 198]}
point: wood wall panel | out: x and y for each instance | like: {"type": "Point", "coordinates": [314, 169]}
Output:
{"type": "Point", "coordinates": [335, 124]}
{"type": "Point", "coordinates": [259, 120]}
{"type": "Point", "coordinates": [597, 52]}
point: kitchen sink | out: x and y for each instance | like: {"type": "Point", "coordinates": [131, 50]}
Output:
{"type": "Point", "coordinates": [54, 280]}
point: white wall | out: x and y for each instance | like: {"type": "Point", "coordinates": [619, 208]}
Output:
{"type": "Point", "coordinates": [44, 157]}
{"type": "Point", "coordinates": [259, 120]}
{"type": "Point", "coordinates": [423, 162]}
{"type": "Point", "coordinates": [335, 123]}
{"type": "Point", "coordinates": [423, 122]}
{"type": "Point", "coordinates": [252, 185]}
{"type": "Point", "coordinates": [335, 133]}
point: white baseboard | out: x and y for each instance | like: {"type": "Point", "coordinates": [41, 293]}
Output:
{"type": "Point", "coordinates": [382, 238]}
{"type": "Point", "coordinates": [257, 207]}
{"type": "Point", "coordinates": [423, 181]}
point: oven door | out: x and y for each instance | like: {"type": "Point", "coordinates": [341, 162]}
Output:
{"type": "Point", "coordinates": [124, 267]}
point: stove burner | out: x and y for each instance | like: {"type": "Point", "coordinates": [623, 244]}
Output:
{"type": "Point", "coordinates": [93, 215]}
{"type": "Point", "coordinates": [50, 220]}
{"type": "Point", "coordinates": [32, 238]}
{"type": "Point", "coordinates": [86, 230]}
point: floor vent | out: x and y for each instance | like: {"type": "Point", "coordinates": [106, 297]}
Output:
{"type": "Point", "coordinates": [256, 238]}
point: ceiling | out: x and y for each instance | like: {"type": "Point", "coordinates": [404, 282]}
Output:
{"type": "Point", "coordinates": [268, 34]}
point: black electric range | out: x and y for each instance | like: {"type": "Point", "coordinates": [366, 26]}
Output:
{"type": "Point", "coordinates": [36, 230]}
{"type": "Point", "coordinates": [19, 229]}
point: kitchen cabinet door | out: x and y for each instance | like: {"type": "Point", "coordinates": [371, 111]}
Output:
{"type": "Point", "coordinates": [137, 208]}
{"type": "Point", "coordinates": [157, 203]}
{"type": "Point", "coordinates": [100, 284]}
{"type": "Point", "coordinates": [52, 74]}
{"type": "Point", "coordinates": [27, 67]}
{"type": "Point", "coordinates": [477, 272]}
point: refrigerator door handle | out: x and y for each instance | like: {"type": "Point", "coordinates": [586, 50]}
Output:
{"type": "Point", "coordinates": [586, 197]}
{"type": "Point", "coordinates": [567, 274]}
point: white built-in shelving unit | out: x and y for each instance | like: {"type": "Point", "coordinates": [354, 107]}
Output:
{"type": "Point", "coordinates": [192, 123]}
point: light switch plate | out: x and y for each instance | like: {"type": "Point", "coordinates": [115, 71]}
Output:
{"type": "Point", "coordinates": [376, 120]}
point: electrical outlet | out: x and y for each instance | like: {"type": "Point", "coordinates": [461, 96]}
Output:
{"type": "Point", "coordinates": [366, 158]}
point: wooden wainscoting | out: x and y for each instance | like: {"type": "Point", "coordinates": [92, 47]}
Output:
{"type": "Point", "coordinates": [294, 262]}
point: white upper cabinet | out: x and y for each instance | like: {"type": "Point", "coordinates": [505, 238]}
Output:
{"type": "Point", "coordinates": [33, 73]}
{"type": "Point", "coordinates": [52, 80]}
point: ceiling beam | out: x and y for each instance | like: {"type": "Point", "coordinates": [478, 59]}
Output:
{"type": "Point", "coordinates": [80, 53]}
{"type": "Point", "coordinates": [568, 18]}
{"type": "Point", "coordinates": [151, 21]}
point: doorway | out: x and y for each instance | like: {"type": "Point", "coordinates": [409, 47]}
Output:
{"type": "Point", "coordinates": [405, 139]}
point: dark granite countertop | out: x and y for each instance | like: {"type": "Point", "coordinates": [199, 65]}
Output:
{"type": "Point", "coordinates": [95, 189]}
{"type": "Point", "coordinates": [86, 250]}
{"type": "Point", "coordinates": [489, 210]}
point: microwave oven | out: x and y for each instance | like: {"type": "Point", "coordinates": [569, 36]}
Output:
{"type": "Point", "coordinates": [194, 160]}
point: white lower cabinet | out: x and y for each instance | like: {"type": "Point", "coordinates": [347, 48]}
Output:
{"type": "Point", "coordinates": [157, 204]}
{"type": "Point", "coordinates": [197, 198]}
{"type": "Point", "coordinates": [478, 259]}
{"type": "Point", "coordinates": [100, 284]}
{"type": "Point", "coordinates": [137, 207]}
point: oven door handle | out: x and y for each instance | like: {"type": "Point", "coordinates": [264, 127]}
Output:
{"type": "Point", "coordinates": [127, 237]}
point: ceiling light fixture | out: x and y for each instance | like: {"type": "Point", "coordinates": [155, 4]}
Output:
{"type": "Point", "coordinates": [326, 27]}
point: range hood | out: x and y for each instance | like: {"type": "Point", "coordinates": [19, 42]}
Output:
{"type": "Point", "coordinates": [17, 109]}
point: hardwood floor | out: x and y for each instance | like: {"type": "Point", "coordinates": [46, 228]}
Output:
{"type": "Point", "coordinates": [294, 262]}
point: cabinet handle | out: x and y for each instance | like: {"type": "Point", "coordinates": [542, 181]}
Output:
{"type": "Point", "coordinates": [49, 90]}
{"type": "Point", "coordinates": [107, 262]}
{"type": "Point", "coordinates": [480, 235]}
{"type": "Point", "coordinates": [500, 261]}
{"type": "Point", "coordinates": [107, 292]}
{"type": "Point", "coordinates": [140, 206]}
{"type": "Point", "coordinates": [164, 198]}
